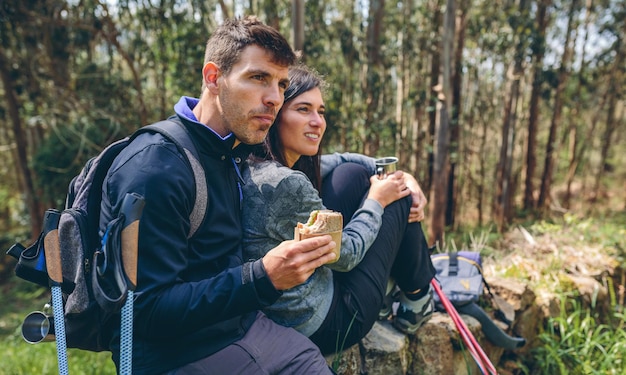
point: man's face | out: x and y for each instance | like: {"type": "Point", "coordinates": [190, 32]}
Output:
{"type": "Point", "coordinates": [251, 95]}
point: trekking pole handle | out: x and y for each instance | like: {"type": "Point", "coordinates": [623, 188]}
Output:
{"type": "Point", "coordinates": [52, 247]}
{"type": "Point", "coordinates": [132, 208]}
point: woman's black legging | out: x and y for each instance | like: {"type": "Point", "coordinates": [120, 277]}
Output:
{"type": "Point", "coordinates": [400, 251]}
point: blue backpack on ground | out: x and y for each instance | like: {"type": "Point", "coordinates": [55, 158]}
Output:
{"type": "Point", "coordinates": [461, 279]}
{"type": "Point", "coordinates": [93, 290]}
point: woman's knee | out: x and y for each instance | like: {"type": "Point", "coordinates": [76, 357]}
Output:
{"type": "Point", "coordinates": [348, 175]}
{"type": "Point", "coordinates": [398, 212]}
{"type": "Point", "coordinates": [345, 187]}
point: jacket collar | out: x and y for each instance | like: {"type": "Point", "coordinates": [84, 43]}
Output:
{"type": "Point", "coordinates": [208, 140]}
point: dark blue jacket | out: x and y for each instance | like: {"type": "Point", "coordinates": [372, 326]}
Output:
{"type": "Point", "coordinates": [196, 296]}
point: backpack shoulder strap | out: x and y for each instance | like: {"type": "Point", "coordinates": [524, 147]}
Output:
{"type": "Point", "coordinates": [179, 135]}
{"type": "Point", "coordinates": [453, 264]}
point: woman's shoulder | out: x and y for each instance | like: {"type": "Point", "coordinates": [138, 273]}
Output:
{"type": "Point", "coordinates": [262, 167]}
{"type": "Point", "coordinates": [274, 173]}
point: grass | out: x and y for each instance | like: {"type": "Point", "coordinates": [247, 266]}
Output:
{"type": "Point", "coordinates": [17, 299]}
{"type": "Point", "coordinates": [336, 362]}
{"type": "Point", "coordinates": [583, 338]}
{"type": "Point", "coordinates": [22, 358]}
{"type": "Point", "coordinates": [576, 343]}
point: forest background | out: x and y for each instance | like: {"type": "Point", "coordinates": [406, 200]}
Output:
{"type": "Point", "coordinates": [503, 109]}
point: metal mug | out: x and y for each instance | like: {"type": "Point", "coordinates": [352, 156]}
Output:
{"type": "Point", "coordinates": [38, 327]}
{"type": "Point", "coordinates": [386, 166]}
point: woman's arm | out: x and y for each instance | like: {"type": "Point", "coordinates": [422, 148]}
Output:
{"type": "Point", "coordinates": [291, 198]}
{"type": "Point", "coordinates": [331, 161]}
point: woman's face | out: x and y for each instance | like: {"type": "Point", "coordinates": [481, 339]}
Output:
{"type": "Point", "coordinates": [302, 125]}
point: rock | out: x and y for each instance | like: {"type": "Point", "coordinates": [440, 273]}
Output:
{"type": "Point", "coordinates": [437, 348]}
{"type": "Point", "coordinates": [386, 350]}
{"type": "Point", "coordinates": [594, 295]}
{"type": "Point", "coordinates": [431, 348]}
{"type": "Point", "coordinates": [347, 362]}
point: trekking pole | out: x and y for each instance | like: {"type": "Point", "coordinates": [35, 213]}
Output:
{"type": "Point", "coordinates": [449, 308]}
{"type": "Point", "coordinates": [479, 356]}
{"type": "Point", "coordinates": [490, 367]}
{"type": "Point", "coordinates": [132, 207]}
{"type": "Point", "coordinates": [52, 250]}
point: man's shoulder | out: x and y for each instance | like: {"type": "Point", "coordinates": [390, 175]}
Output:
{"type": "Point", "coordinates": [150, 152]}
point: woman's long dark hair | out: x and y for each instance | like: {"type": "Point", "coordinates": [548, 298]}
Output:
{"type": "Point", "coordinates": [301, 80]}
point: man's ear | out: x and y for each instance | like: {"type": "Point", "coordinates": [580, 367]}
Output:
{"type": "Point", "coordinates": [210, 74]}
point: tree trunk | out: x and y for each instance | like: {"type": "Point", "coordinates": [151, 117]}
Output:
{"type": "Point", "coordinates": [441, 165]}
{"type": "Point", "coordinates": [482, 181]}
{"type": "Point", "coordinates": [32, 202]}
{"type": "Point", "coordinates": [504, 169]}
{"type": "Point", "coordinates": [546, 180]}
{"type": "Point", "coordinates": [402, 121]}
{"type": "Point", "coordinates": [224, 8]}
{"type": "Point", "coordinates": [435, 69]}
{"type": "Point", "coordinates": [298, 24]}
{"type": "Point", "coordinates": [110, 33]}
{"type": "Point", "coordinates": [531, 147]}
{"type": "Point", "coordinates": [615, 93]}
{"type": "Point", "coordinates": [455, 120]}
{"type": "Point", "coordinates": [373, 79]}
{"type": "Point", "coordinates": [611, 127]}
{"type": "Point", "coordinates": [574, 140]}
{"type": "Point", "coordinates": [271, 13]}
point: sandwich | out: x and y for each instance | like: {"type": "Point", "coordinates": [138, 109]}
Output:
{"type": "Point", "coordinates": [322, 222]}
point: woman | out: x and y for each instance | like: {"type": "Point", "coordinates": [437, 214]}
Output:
{"type": "Point", "coordinates": [340, 302]}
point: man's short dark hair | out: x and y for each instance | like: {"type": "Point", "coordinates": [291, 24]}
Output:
{"type": "Point", "coordinates": [234, 35]}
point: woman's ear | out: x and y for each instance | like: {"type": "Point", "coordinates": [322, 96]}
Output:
{"type": "Point", "coordinates": [210, 74]}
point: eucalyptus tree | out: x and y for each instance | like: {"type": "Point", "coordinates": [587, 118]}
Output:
{"type": "Point", "coordinates": [441, 158]}
{"type": "Point", "coordinates": [489, 52]}
{"type": "Point", "coordinates": [95, 70]}
{"type": "Point", "coordinates": [35, 64]}
{"type": "Point", "coordinates": [538, 47]}
{"type": "Point", "coordinates": [505, 186]}
{"type": "Point", "coordinates": [456, 115]}
{"type": "Point", "coordinates": [564, 71]}
{"type": "Point", "coordinates": [616, 74]}
{"type": "Point", "coordinates": [581, 96]}
{"type": "Point", "coordinates": [90, 72]}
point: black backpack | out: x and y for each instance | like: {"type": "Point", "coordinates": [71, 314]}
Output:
{"type": "Point", "coordinates": [93, 293]}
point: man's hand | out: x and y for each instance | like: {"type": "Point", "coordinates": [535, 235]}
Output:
{"type": "Point", "coordinates": [292, 262]}
{"type": "Point", "coordinates": [419, 199]}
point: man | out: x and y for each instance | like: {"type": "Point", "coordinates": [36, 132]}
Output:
{"type": "Point", "coordinates": [197, 300]}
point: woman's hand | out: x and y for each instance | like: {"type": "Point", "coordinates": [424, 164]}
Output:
{"type": "Point", "coordinates": [389, 189]}
{"type": "Point", "coordinates": [419, 199]}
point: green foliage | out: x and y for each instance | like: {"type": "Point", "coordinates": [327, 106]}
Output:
{"type": "Point", "coordinates": [575, 343]}
{"type": "Point", "coordinates": [606, 230]}
{"type": "Point", "coordinates": [474, 239]}
{"type": "Point", "coordinates": [63, 153]}
{"type": "Point", "coordinates": [21, 358]}
{"type": "Point", "coordinates": [339, 347]}
{"type": "Point", "coordinates": [17, 299]}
